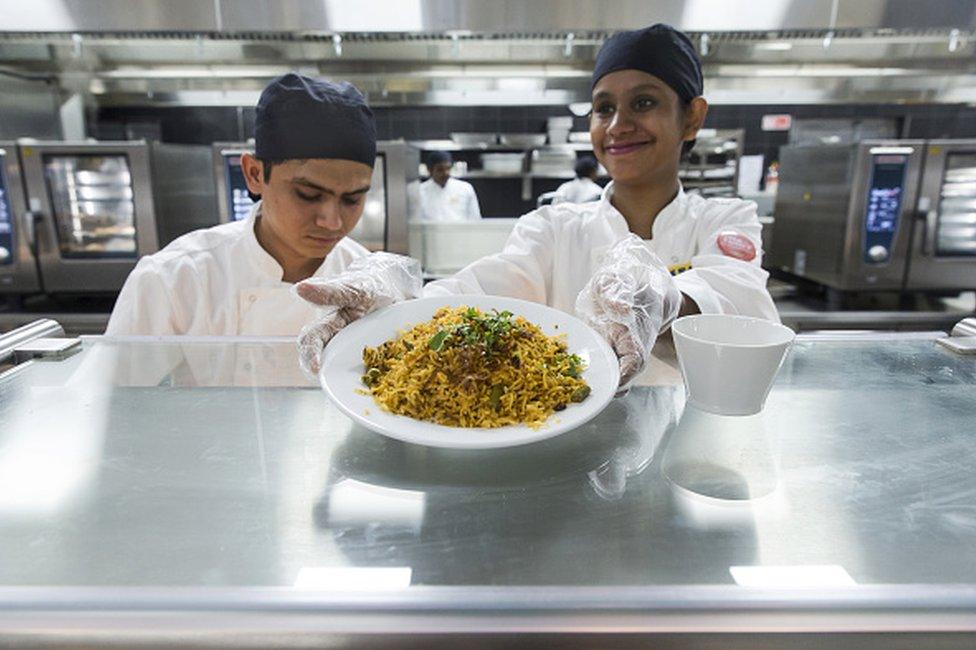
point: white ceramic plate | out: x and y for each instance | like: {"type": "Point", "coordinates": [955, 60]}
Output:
{"type": "Point", "coordinates": [342, 370]}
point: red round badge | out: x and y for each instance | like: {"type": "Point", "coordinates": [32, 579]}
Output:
{"type": "Point", "coordinates": [738, 246]}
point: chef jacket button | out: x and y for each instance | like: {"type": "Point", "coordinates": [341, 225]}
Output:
{"type": "Point", "coordinates": [247, 366]}
{"type": "Point", "coordinates": [252, 298]}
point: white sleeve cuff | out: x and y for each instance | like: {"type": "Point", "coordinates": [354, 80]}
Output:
{"type": "Point", "coordinates": [699, 290]}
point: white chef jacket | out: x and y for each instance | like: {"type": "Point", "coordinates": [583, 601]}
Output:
{"type": "Point", "coordinates": [553, 251]}
{"type": "Point", "coordinates": [220, 282]}
{"type": "Point", "coordinates": [456, 201]}
{"type": "Point", "coordinates": [579, 190]}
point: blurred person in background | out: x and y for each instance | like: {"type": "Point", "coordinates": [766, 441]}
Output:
{"type": "Point", "coordinates": [445, 198]}
{"type": "Point", "coordinates": [584, 187]}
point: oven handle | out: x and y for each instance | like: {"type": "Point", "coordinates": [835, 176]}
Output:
{"type": "Point", "coordinates": [33, 219]}
{"type": "Point", "coordinates": [30, 229]}
{"type": "Point", "coordinates": [931, 219]}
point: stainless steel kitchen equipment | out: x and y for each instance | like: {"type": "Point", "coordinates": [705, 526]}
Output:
{"type": "Point", "coordinates": [92, 206]}
{"type": "Point", "coordinates": [18, 270]}
{"type": "Point", "coordinates": [183, 189]}
{"type": "Point", "coordinates": [845, 213]}
{"type": "Point", "coordinates": [383, 225]}
{"type": "Point", "coordinates": [711, 168]}
{"type": "Point", "coordinates": [197, 491]}
{"type": "Point", "coordinates": [943, 246]}
{"type": "Point", "coordinates": [96, 207]}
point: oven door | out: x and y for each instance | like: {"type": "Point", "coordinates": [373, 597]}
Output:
{"type": "Point", "coordinates": [943, 253]}
{"type": "Point", "coordinates": [18, 270]}
{"type": "Point", "coordinates": [96, 212]}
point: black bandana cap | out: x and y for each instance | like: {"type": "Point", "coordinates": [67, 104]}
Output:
{"type": "Point", "coordinates": [659, 50]}
{"type": "Point", "coordinates": [300, 118]}
{"type": "Point", "coordinates": [437, 157]}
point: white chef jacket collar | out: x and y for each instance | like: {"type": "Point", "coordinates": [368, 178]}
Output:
{"type": "Point", "coordinates": [618, 223]}
{"type": "Point", "coordinates": [261, 258]}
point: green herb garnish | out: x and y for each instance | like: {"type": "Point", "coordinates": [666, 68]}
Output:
{"type": "Point", "coordinates": [477, 329]}
{"type": "Point", "coordinates": [496, 396]}
{"type": "Point", "coordinates": [437, 340]}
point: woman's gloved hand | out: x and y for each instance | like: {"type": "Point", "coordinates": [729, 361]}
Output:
{"type": "Point", "coordinates": [630, 299]}
{"type": "Point", "coordinates": [369, 283]}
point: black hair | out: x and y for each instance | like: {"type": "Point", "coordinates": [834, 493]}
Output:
{"type": "Point", "coordinates": [438, 157]}
{"type": "Point", "coordinates": [268, 163]}
{"type": "Point", "coordinates": [687, 145]}
{"type": "Point", "coordinates": [585, 167]}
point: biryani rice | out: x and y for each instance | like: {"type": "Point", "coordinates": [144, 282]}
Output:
{"type": "Point", "coordinates": [430, 372]}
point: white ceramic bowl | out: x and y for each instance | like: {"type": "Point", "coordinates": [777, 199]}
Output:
{"type": "Point", "coordinates": [729, 362]}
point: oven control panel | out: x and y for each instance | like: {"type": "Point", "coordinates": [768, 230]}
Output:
{"type": "Point", "coordinates": [238, 200]}
{"type": "Point", "coordinates": [883, 206]}
{"type": "Point", "coordinates": [6, 216]}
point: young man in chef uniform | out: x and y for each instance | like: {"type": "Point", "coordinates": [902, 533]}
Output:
{"type": "Point", "coordinates": [315, 146]}
{"type": "Point", "coordinates": [643, 254]}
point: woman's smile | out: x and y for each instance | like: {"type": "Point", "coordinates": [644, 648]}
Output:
{"type": "Point", "coordinates": [623, 148]}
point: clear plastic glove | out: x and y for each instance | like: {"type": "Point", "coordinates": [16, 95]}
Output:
{"type": "Point", "coordinates": [630, 299]}
{"type": "Point", "coordinates": [369, 283]}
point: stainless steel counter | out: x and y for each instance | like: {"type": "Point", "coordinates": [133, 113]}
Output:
{"type": "Point", "coordinates": [156, 492]}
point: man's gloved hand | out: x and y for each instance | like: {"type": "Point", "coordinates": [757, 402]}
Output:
{"type": "Point", "coordinates": [369, 283]}
{"type": "Point", "coordinates": [630, 298]}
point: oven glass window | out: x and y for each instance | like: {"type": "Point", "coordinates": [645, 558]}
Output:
{"type": "Point", "coordinates": [93, 204]}
{"type": "Point", "coordinates": [955, 230]}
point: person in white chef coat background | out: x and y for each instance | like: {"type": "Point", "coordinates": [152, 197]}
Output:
{"type": "Point", "coordinates": [643, 254]}
{"type": "Point", "coordinates": [445, 198]}
{"type": "Point", "coordinates": [584, 187]}
{"type": "Point", "coordinates": [315, 147]}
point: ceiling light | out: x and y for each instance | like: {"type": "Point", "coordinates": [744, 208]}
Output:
{"type": "Point", "coordinates": [580, 109]}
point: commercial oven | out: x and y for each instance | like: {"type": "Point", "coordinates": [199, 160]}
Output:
{"type": "Point", "coordinates": [383, 225]}
{"type": "Point", "coordinates": [96, 207]}
{"type": "Point", "coordinates": [92, 209]}
{"type": "Point", "coordinates": [896, 215]}
{"type": "Point", "coordinates": [18, 270]}
{"type": "Point", "coordinates": [183, 189]}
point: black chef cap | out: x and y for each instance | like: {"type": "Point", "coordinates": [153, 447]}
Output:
{"type": "Point", "coordinates": [438, 157]}
{"type": "Point", "coordinates": [659, 50]}
{"type": "Point", "coordinates": [299, 118]}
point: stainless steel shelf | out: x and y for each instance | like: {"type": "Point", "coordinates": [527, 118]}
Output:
{"type": "Point", "coordinates": [450, 145]}
{"type": "Point", "coordinates": [477, 173]}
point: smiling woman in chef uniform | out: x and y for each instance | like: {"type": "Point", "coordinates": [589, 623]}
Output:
{"type": "Point", "coordinates": [315, 146]}
{"type": "Point", "coordinates": [643, 254]}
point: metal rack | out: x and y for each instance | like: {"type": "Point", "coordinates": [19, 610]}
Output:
{"type": "Point", "coordinates": [711, 168]}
